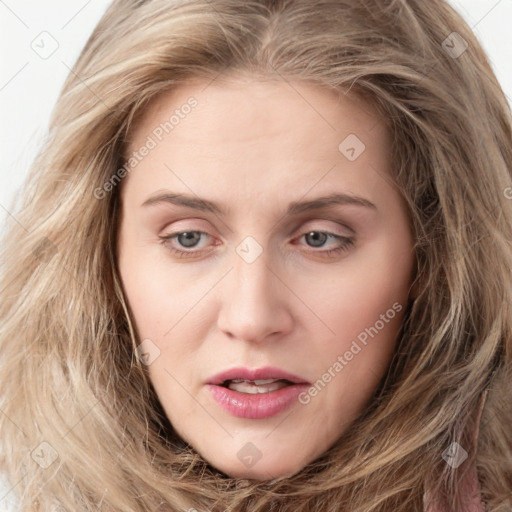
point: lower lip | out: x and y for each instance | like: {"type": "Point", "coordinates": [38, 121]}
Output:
{"type": "Point", "coordinates": [257, 406]}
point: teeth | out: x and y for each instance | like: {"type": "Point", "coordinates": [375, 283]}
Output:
{"type": "Point", "coordinates": [257, 386]}
{"type": "Point", "coordinates": [257, 382]}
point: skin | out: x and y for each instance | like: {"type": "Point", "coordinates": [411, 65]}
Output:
{"type": "Point", "coordinates": [254, 146]}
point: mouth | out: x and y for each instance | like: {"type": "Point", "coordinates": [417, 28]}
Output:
{"type": "Point", "coordinates": [254, 387]}
{"type": "Point", "coordinates": [256, 400]}
{"type": "Point", "coordinates": [252, 380]}
{"type": "Point", "coordinates": [256, 393]}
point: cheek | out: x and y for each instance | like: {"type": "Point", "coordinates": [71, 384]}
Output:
{"type": "Point", "coordinates": [164, 303]}
{"type": "Point", "coordinates": [366, 318]}
{"type": "Point", "coordinates": [145, 292]}
{"type": "Point", "coordinates": [355, 297]}
{"type": "Point", "coordinates": [143, 300]}
{"type": "Point", "coordinates": [157, 287]}
{"type": "Point", "coordinates": [363, 304]}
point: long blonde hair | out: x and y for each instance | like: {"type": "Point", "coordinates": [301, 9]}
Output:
{"type": "Point", "coordinates": [81, 426]}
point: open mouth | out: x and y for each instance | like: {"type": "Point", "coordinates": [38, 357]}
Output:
{"type": "Point", "coordinates": [254, 387]}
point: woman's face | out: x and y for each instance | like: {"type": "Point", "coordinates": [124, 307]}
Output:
{"type": "Point", "coordinates": [295, 253]}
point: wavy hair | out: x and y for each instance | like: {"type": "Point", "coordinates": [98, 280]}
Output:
{"type": "Point", "coordinates": [81, 426]}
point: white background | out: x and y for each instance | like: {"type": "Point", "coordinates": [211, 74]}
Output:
{"type": "Point", "coordinates": [29, 84]}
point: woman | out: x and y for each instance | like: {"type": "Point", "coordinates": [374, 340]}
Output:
{"type": "Point", "coordinates": [264, 369]}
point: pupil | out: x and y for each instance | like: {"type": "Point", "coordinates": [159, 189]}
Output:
{"type": "Point", "coordinates": [314, 235]}
{"type": "Point", "coordinates": [188, 236]}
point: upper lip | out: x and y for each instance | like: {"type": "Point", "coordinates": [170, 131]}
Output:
{"type": "Point", "coordinates": [267, 372]}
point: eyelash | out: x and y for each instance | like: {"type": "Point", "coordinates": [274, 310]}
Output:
{"type": "Point", "coordinates": [347, 242]}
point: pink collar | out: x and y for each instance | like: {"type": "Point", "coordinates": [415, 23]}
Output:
{"type": "Point", "coordinates": [470, 487]}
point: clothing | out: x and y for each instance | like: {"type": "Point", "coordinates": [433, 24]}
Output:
{"type": "Point", "coordinates": [470, 486]}
{"type": "Point", "coordinates": [472, 492]}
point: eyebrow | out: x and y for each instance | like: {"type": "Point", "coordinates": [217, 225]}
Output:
{"type": "Point", "coordinates": [294, 208]}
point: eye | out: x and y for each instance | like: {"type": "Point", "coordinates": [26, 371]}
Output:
{"type": "Point", "coordinates": [187, 239]}
{"type": "Point", "coordinates": [344, 242]}
{"type": "Point", "coordinates": [190, 239]}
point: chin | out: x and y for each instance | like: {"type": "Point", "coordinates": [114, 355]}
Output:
{"type": "Point", "coordinates": [260, 471]}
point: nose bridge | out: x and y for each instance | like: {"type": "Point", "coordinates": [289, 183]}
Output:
{"type": "Point", "coordinates": [252, 271]}
{"type": "Point", "coordinates": [254, 304]}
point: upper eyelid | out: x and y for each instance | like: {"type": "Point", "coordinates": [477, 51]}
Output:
{"type": "Point", "coordinates": [172, 235]}
{"type": "Point", "coordinates": [301, 233]}
{"type": "Point", "coordinates": [340, 224]}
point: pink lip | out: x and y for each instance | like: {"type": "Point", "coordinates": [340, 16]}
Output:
{"type": "Point", "coordinates": [257, 406]}
{"type": "Point", "coordinates": [267, 372]}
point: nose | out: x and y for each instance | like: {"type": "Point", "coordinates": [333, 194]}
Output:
{"type": "Point", "coordinates": [255, 301]}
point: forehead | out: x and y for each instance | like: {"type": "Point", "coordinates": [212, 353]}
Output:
{"type": "Point", "coordinates": [249, 108]}
{"type": "Point", "coordinates": [245, 136]}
